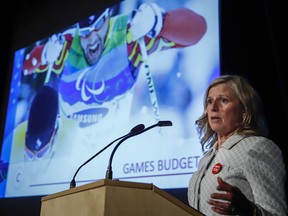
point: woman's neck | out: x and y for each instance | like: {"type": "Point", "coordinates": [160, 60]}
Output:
{"type": "Point", "coordinates": [223, 138]}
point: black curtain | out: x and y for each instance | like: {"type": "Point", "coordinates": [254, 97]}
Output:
{"type": "Point", "coordinates": [253, 45]}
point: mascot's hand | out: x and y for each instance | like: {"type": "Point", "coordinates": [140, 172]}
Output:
{"type": "Point", "coordinates": [52, 49]}
{"type": "Point", "coordinates": [148, 20]}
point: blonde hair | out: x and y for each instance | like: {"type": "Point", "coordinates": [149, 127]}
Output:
{"type": "Point", "coordinates": [253, 121]}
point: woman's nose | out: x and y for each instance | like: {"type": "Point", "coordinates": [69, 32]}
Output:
{"type": "Point", "coordinates": [214, 106]}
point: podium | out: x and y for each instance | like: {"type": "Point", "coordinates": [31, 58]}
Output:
{"type": "Point", "coordinates": [113, 197]}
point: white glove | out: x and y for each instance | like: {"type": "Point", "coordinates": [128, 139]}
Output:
{"type": "Point", "coordinates": [52, 49]}
{"type": "Point", "coordinates": [148, 20]}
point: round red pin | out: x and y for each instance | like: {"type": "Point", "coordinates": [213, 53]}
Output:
{"type": "Point", "coordinates": [216, 169]}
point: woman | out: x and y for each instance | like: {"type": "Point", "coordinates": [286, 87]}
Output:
{"type": "Point", "coordinates": [242, 172]}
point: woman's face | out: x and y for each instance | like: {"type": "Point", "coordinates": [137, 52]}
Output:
{"type": "Point", "coordinates": [224, 110]}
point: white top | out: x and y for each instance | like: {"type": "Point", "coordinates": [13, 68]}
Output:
{"type": "Point", "coordinates": [253, 164]}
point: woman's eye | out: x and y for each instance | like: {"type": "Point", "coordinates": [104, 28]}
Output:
{"type": "Point", "coordinates": [209, 101]}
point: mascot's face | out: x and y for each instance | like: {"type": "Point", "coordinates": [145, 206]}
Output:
{"type": "Point", "coordinates": [92, 37]}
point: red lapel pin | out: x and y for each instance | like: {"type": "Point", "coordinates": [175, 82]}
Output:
{"type": "Point", "coordinates": [216, 169]}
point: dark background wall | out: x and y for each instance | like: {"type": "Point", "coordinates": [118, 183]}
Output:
{"type": "Point", "coordinates": [252, 41]}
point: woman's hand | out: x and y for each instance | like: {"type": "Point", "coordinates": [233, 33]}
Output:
{"type": "Point", "coordinates": [231, 202]}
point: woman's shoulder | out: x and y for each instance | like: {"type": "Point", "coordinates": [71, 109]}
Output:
{"type": "Point", "coordinates": [259, 140]}
{"type": "Point", "coordinates": [261, 144]}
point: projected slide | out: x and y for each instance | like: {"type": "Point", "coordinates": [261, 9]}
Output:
{"type": "Point", "coordinates": [74, 92]}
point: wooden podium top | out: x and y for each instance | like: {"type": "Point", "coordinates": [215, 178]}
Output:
{"type": "Point", "coordinates": [143, 197]}
{"type": "Point", "coordinates": [97, 184]}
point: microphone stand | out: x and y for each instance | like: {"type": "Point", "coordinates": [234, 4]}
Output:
{"type": "Point", "coordinates": [109, 172]}
{"type": "Point", "coordinates": [133, 130]}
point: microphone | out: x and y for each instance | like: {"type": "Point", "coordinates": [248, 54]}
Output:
{"type": "Point", "coordinates": [164, 123]}
{"type": "Point", "coordinates": [109, 172]}
{"type": "Point", "coordinates": [134, 130]}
